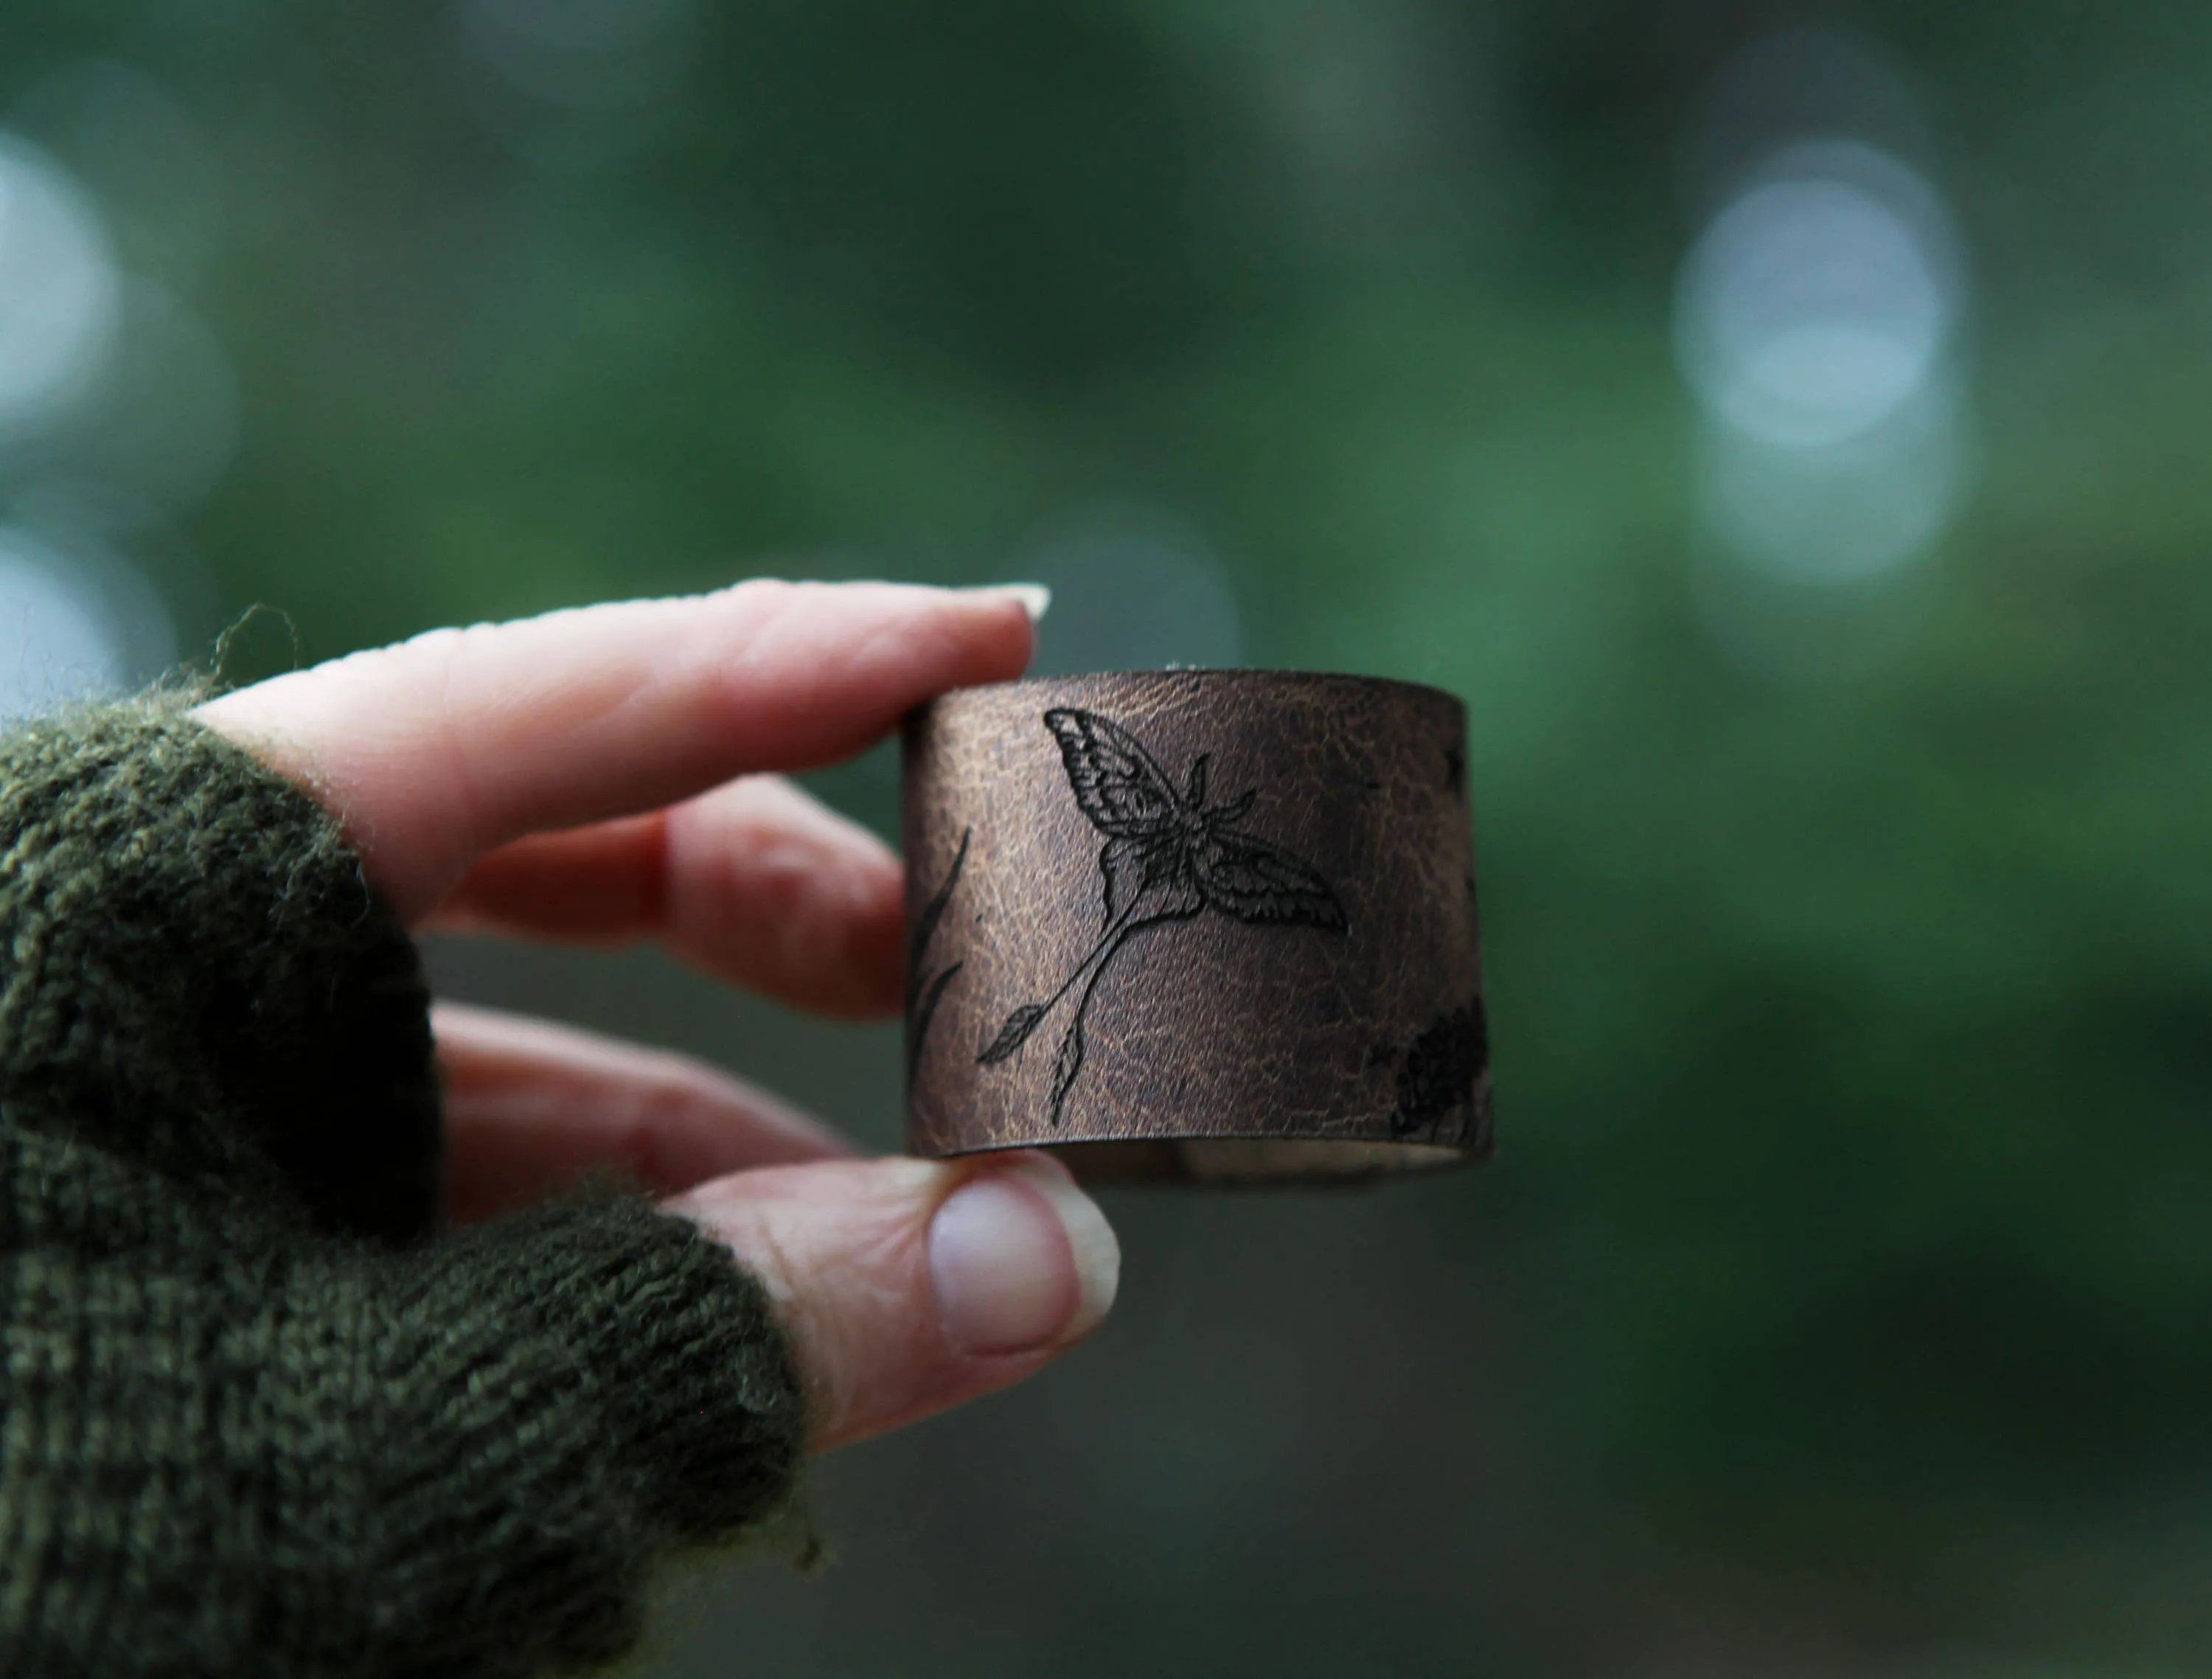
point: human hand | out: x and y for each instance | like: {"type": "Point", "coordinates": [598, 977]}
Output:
{"type": "Point", "coordinates": [603, 776]}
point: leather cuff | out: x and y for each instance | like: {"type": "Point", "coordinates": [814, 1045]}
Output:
{"type": "Point", "coordinates": [1213, 924]}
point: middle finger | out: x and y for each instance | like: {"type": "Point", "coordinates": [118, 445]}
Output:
{"type": "Point", "coordinates": [757, 883]}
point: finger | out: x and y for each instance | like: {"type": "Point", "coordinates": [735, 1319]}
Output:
{"type": "Point", "coordinates": [530, 1107]}
{"type": "Point", "coordinates": [757, 883]}
{"type": "Point", "coordinates": [438, 750]}
{"type": "Point", "coordinates": [910, 1285]}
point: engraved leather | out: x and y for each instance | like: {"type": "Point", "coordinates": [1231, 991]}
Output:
{"type": "Point", "coordinates": [1213, 924]}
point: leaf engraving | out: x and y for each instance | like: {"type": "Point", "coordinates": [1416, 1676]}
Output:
{"type": "Point", "coordinates": [925, 1013]}
{"type": "Point", "coordinates": [1066, 1065]}
{"type": "Point", "coordinates": [924, 991]}
{"type": "Point", "coordinates": [925, 925]}
{"type": "Point", "coordinates": [1015, 1033]}
{"type": "Point", "coordinates": [1169, 856]}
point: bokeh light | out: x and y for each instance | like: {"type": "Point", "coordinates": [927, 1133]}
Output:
{"type": "Point", "coordinates": [1843, 511]}
{"type": "Point", "coordinates": [157, 432]}
{"type": "Point", "coordinates": [1822, 300]}
{"type": "Point", "coordinates": [74, 623]}
{"type": "Point", "coordinates": [1819, 323]}
{"type": "Point", "coordinates": [119, 413]}
{"type": "Point", "coordinates": [134, 149]}
{"type": "Point", "coordinates": [60, 292]}
{"type": "Point", "coordinates": [1789, 85]}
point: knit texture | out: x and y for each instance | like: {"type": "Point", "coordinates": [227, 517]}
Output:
{"type": "Point", "coordinates": [257, 1415]}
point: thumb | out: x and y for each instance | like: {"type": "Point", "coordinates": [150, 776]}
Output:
{"type": "Point", "coordinates": [909, 1286]}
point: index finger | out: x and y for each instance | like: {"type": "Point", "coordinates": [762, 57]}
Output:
{"type": "Point", "coordinates": [433, 751]}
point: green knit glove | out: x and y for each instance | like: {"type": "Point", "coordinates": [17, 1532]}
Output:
{"type": "Point", "coordinates": [255, 1418]}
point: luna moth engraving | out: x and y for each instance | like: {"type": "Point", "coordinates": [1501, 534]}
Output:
{"type": "Point", "coordinates": [1170, 856]}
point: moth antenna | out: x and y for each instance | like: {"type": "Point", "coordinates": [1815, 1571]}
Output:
{"type": "Point", "coordinates": [1196, 795]}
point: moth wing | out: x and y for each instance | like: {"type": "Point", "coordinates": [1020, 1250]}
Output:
{"type": "Point", "coordinates": [1128, 867]}
{"type": "Point", "coordinates": [1263, 884]}
{"type": "Point", "coordinates": [1115, 781]}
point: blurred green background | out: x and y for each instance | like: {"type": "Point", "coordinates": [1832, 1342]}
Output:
{"type": "Point", "coordinates": [1787, 428]}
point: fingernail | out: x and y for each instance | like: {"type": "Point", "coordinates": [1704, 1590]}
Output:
{"type": "Point", "coordinates": [1036, 597]}
{"type": "Point", "coordinates": [1021, 1259]}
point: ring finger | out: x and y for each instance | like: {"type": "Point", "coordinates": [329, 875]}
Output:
{"type": "Point", "coordinates": [532, 1107]}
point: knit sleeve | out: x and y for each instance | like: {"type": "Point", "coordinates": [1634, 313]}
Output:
{"type": "Point", "coordinates": [256, 1416]}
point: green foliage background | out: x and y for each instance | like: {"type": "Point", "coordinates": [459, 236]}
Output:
{"type": "Point", "coordinates": [1838, 1301]}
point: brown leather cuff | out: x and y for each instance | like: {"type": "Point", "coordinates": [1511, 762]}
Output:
{"type": "Point", "coordinates": [1214, 924]}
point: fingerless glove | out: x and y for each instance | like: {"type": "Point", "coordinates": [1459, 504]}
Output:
{"type": "Point", "coordinates": [257, 1414]}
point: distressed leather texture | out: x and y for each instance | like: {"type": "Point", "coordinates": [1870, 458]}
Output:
{"type": "Point", "coordinates": [1287, 984]}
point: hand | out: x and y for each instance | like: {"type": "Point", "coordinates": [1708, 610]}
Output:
{"type": "Point", "coordinates": [599, 775]}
